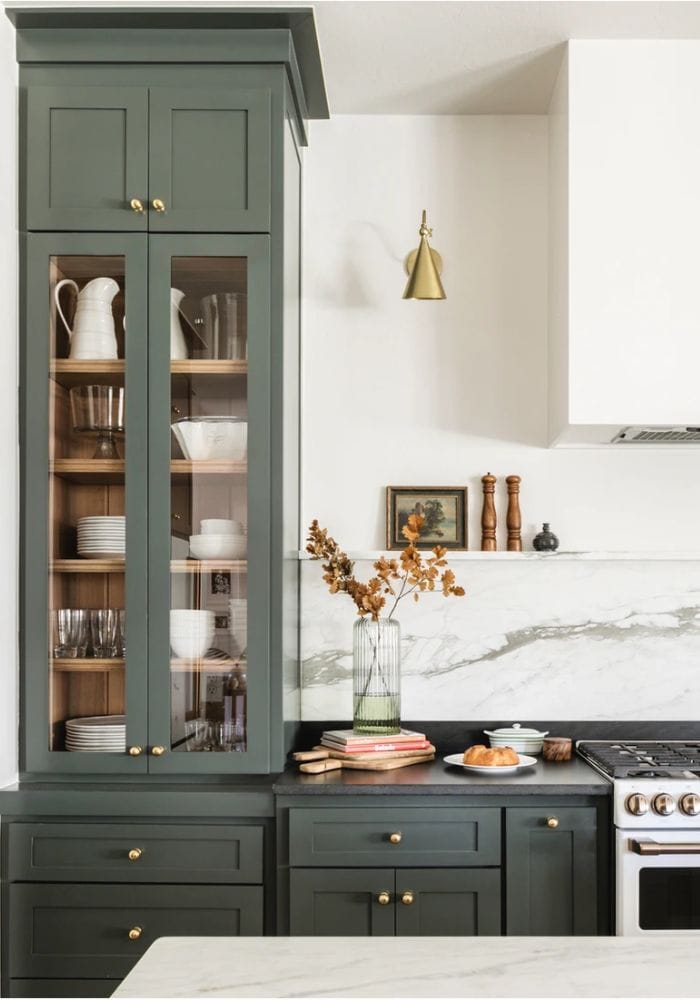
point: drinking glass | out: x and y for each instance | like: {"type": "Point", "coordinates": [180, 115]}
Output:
{"type": "Point", "coordinates": [69, 633]}
{"type": "Point", "coordinates": [232, 735]}
{"type": "Point", "coordinates": [104, 633]}
{"type": "Point", "coordinates": [121, 633]}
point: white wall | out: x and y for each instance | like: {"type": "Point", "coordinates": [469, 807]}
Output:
{"type": "Point", "coordinates": [412, 393]}
{"type": "Point", "coordinates": [8, 402]}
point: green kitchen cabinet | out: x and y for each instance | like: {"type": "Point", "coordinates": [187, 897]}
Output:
{"type": "Point", "coordinates": [176, 150]}
{"type": "Point", "coordinates": [62, 987]}
{"type": "Point", "coordinates": [388, 902]}
{"type": "Point", "coordinates": [553, 871]}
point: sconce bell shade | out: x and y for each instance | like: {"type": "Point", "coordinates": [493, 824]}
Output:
{"type": "Point", "coordinates": [424, 266]}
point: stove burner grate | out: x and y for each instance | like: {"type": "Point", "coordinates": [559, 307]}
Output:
{"type": "Point", "coordinates": [644, 759]}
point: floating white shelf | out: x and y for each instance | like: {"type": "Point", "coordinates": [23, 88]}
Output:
{"type": "Point", "coordinates": [459, 556]}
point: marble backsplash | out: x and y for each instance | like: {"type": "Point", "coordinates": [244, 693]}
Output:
{"type": "Point", "coordinates": [559, 639]}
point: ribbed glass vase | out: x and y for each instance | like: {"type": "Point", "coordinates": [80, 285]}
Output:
{"type": "Point", "coordinates": [376, 677]}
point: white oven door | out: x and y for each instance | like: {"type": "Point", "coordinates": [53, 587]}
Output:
{"type": "Point", "coordinates": [658, 881]}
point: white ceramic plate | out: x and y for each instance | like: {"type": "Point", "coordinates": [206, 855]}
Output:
{"type": "Point", "coordinates": [457, 760]}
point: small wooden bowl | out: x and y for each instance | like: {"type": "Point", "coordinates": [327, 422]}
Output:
{"type": "Point", "coordinates": [556, 748]}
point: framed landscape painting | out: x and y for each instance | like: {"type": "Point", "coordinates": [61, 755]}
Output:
{"type": "Point", "coordinates": [443, 507]}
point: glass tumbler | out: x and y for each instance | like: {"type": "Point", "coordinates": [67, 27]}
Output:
{"type": "Point", "coordinates": [70, 633]}
{"type": "Point", "coordinates": [104, 624]}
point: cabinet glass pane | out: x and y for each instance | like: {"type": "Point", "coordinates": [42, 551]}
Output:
{"type": "Point", "coordinates": [208, 504]}
{"type": "Point", "coordinates": [87, 525]}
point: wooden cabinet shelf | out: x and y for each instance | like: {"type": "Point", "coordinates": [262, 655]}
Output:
{"type": "Point", "coordinates": [87, 664]}
{"type": "Point", "coordinates": [209, 566]}
{"type": "Point", "coordinates": [90, 471]}
{"type": "Point", "coordinates": [69, 373]}
{"type": "Point", "coordinates": [207, 666]}
{"type": "Point", "coordinates": [87, 566]}
{"type": "Point", "coordinates": [180, 467]}
{"type": "Point", "coordinates": [207, 366]}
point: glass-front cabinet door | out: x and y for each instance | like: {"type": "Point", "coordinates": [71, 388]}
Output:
{"type": "Point", "coordinates": [209, 505]}
{"type": "Point", "coordinates": [84, 471]}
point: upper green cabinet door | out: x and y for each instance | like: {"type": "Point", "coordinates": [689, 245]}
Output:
{"type": "Point", "coordinates": [86, 158]}
{"type": "Point", "coordinates": [209, 160]}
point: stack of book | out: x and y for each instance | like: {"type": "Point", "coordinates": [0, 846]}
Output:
{"type": "Point", "coordinates": [347, 741]}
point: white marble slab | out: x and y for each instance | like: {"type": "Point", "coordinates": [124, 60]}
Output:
{"type": "Point", "coordinates": [577, 640]}
{"type": "Point", "coordinates": [416, 967]}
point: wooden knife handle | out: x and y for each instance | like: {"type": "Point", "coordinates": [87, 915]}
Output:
{"type": "Point", "coordinates": [321, 766]}
{"type": "Point", "coordinates": [318, 753]}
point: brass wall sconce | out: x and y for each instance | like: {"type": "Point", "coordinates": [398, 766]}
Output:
{"type": "Point", "coordinates": [424, 266]}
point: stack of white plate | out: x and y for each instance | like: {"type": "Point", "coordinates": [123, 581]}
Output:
{"type": "Point", "coordinates": [101, 537]}
{"type": "Point", "coordinates": [97, 734]}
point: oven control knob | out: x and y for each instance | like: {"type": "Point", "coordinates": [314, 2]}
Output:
{"type": "Point", "coordinates": [690, 804]}
{"type": "Point", "coordinates": [663, 804]}
{"type": "Point", "coordinates": [637, 804]}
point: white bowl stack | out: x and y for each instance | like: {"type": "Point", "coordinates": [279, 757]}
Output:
{"type": "Point", "coordinates": [220, 538]}
{"type": "Point", "coordinates": [191, 633]}
{"type": "Point", "coordinates": [521, 739]}
{"type": "Point", "coordinates": [96, 734]}
{"type": "Point", "coordinates": [102, 537]}
{"type": "Point", "coordinates": [238, 625]}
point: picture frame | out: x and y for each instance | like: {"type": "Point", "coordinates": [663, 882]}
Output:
{"type": "Point", "coordinates": [444, 507]}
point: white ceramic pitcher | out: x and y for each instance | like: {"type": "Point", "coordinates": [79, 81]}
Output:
{"type": "Point", "coordinates": [92, 336]}
{"type": "Point", "coordinates": [178, 346]}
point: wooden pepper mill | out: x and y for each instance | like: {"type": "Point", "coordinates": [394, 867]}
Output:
{"type": "Point", "coordinates": [513, 518]}
{"type": "Point", "coordinates": [488, 514]}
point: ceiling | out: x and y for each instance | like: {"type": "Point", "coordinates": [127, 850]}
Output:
{"type": "Point", "coordinates": [451, 56]}
{"type": "Point", "coordinates": [470, 57]}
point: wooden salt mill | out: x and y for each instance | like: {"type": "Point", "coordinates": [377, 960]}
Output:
{"type": "Point", "coordinates": [513, 518]}
{"type": "Point", "coordinates": [488, 514]}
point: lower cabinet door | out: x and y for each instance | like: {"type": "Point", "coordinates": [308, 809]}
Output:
{"type": "Point", "coordinates": [91, 931]}
{"type": "Point", "coordinates": [63, 987]}
{"type": "Point", "coordinates": [551, 871]}
{"type": "Point", "coordinates": [461, 902]}
{"type": "Point", "coordinates": [342, 901]}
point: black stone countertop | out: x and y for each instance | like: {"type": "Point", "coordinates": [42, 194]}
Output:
{"type": "Point", "coordinates": [437, 778]}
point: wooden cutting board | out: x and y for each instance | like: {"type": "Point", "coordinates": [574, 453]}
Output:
{"type": "Point", "coordinates": [323, 753]}
{"type": "Point", "coordinates": [333, 764]}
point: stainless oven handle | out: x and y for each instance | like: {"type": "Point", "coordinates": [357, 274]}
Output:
{"type": "Point", "coordinates": [646, 847]}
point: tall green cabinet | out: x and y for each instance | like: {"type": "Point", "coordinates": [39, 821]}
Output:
{"type": "Point", "coordinates": [160, 232]}
{"type": "Point", "coordinates": [160, 214]}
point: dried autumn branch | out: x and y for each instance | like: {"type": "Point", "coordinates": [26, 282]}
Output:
{"type": "Point", "coordinates": [412, 573]}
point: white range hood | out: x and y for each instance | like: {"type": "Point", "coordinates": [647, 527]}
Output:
{"type": "Point", "coordinates": [624, 290]}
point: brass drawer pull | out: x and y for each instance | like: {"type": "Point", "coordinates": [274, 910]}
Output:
{"type": "Point", "coordinates": [135, 853]}
{"type": "Point", "coordinates": [552, 822]}
{"type": "Point", "coordinates": [157, 751]}
{"type": "Point", "coordinates": [407, 897]}
{"type": "Point", "coordinates": [159, 205]}
{"type": "Point", "coordinates": [384, 898]}
{"type": "Point", "coordinates": [395, 838]}
{"type": "Point", "coordinates": [137, 206]}
{"type": "Point", "coordinates": [135, 751]}
{"type": "Point", "coordinates": [135, 933]}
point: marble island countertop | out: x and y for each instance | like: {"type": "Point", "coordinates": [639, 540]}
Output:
{"type": "Point", "coordinates": [416, 967]}
{"type": "Point", "coordinates": [437, 778]}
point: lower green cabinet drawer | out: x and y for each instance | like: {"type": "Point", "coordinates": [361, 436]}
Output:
{"type": "Point", "coordinates": [135, 852]}
{"type": "Point", "coordinates": [450, 836]}
{"type": "Point", "coordinates": [90, 931]}
{"type": "Point", "coordinates": [63, 987]}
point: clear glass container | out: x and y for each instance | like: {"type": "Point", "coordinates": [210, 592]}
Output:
{"type": "Point", "coordinates": [376, 676]}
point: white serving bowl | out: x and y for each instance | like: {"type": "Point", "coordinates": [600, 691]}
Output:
{"type": "Point", "coordinates": [220, 526]}
{"type": "Point", "coordinates": [191, 647]}
{"type": "Point", "coordinates": [218, 546]}
{"type": "Point", "coordinates": [205, 439]}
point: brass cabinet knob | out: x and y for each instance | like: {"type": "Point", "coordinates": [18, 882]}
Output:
{"type": "Point", "coordinates": [552, 822]}
{"type": "Point", "coordinates": [158, 204]}
{"type": "Point", "coordinates": [134, 854]}
{"type": "Point", "coordinates": [135, 933]}
{"type": "Point", "coordinates": [157, 751]}
{"type": "Point", "coordinates": [395, 838]}
{"type": "Point", "coordinates": [137, 206]}
{"type": "Point", "coordinates": [384, 898]}
{"type": "Point", "coordinates": [135, 751]}
{"type": "Point", "coordinates": [407, 897]}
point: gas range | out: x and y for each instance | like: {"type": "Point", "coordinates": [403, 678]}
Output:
{"type": "Point", "coordinates": [656, 783]}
